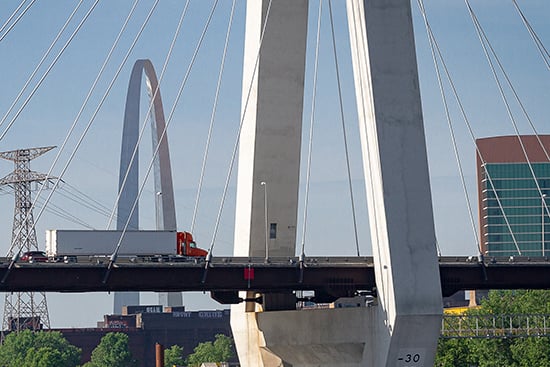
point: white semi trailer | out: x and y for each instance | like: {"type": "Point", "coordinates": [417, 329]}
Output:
{"type": "Point", "coordinates": [70, 244]}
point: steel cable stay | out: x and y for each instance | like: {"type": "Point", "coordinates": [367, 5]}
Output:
{"type": "Point", "coordinates": [489, 50]}
{"type": "Point", "coordinates": [87, 98]}
{"type": "Point", "coordinates": [82, 201]}
{"type": "Point", "coordinates": [85, 198]}
{"type": "Point", "coordinates": [83, 106]}
{"type": "Point", "coordinates": [472, 137]}
{"type": "Point", "coordinates": [152, 98]}
{"type": "Point", "coordinates": [157, 89]}
{"type": "Point", "coordinates": [81, 198]}
{"type": "Point", "coordinates": [462, 110]}
{"type": "Point", "coordinates": [488, 47]}
{"type": "Point", "coordinates": [13, 14]}
{"type": "Point", "coordinates": [212, 116]}
{"type": "Point", "coordinates": [24, 105]}
{"type": "Point", "coordinates": [310, 141]}
{"type": "Point", "coordinates": [41, 62]}
{"type": "Point", "coordinates": [113, 257]}
{"type": "Point", "coordinates": [433, 45]}
{"type": "Point", "coordinates": [16, 20]}
{"type": "Point", "coordinates": [100, 208]}
{"type": "Point", "coordinates": [47, 72]}
{"type": "Point", "coordinates": [104, 170]}
{"type": "Point", "coordinates": [78, 197]}
{"type": "Point", "coordinates": [88, 200]}
{"type": "Point", "coordinates": [482, 34]}
{"type": "Point", "coordinates": [70, 196]}
{"type": "Point", "coordinates": [311, 131]}
{"type": "Point", "coordinates": [91, 120]}
{"type": "Point", "coordinates": [102, 101]}
{"type": "Point", "coordinates": [538, 43]}
{"type": "Point", "coordinates": [236, 145]}
{"type": "Point", "coordinates": [342, 120]}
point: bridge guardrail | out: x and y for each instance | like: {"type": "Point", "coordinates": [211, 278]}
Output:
{"type": "Point", "coordinates": [495, 326]}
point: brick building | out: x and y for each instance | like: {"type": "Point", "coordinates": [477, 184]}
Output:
{"type": "Point", "coordinates": [514, 193]}
{"type": "Point", "coordinates": [148, 325]}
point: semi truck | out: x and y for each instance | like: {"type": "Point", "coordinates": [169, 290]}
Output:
{"type": "Point", "coordinates": [69, 245]}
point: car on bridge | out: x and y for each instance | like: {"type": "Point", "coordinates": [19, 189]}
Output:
{"type": "Point", "coordinates": [34, 256]}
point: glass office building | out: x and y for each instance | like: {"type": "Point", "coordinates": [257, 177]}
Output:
{"type": "Point", "coordinates": [514, 195]}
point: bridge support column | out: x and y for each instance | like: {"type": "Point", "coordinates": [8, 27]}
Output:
{"type": "Point", "coordinates": [398, 189]}
{"type": "Point", "coordinates": [269, 152]}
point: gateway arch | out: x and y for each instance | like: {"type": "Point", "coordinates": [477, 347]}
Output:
{"type": "Point", "coordinates": [129, 168]}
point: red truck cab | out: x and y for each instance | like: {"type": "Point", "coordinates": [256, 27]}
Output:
{"type": "Point", "coordinates": [186, 246]}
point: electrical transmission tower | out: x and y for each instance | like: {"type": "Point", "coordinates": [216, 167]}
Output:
{"type": "Point", "coordinates": [24, 310]}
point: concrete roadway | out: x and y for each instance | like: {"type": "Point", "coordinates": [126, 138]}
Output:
{"type": "Point", "coordinates": [329, 277]}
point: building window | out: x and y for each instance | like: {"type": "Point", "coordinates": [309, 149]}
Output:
{"type": "Point", "coordinates": [273, 231]}
{"type": "Point", "coordinates": [519, 207]}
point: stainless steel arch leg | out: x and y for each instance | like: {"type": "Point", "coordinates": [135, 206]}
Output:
{"type": "Point", "coordinates": [164, 191]}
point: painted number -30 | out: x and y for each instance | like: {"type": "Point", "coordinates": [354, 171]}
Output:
{"type": "Point", "coordinates": [415, 358]}
{"type": "Point", "coordinates": [410, 358]}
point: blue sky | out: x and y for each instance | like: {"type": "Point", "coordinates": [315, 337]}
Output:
{"type": "Point", "coordinates": [49, 113]}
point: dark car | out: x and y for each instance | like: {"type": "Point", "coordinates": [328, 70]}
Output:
{"type": "Point", "coordinates": [34, 256]}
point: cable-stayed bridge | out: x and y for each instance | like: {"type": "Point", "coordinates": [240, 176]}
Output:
{"type": "Point", "coordinates": [403, 273]}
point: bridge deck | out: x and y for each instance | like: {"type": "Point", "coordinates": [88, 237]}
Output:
{"type": "Point", "coordinates": [336, 276]}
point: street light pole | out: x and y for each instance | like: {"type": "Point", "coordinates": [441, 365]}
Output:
{"type": "Point", "coordinates": [266, 222]}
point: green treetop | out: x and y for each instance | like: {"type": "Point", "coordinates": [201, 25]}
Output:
{"type": "Point", "coordinates": [173, 356]}
{"type": "Point", "coordinates": [219, 351]}
{"type": "Point", "coordinates": [112, 351]}
{"type": "Point", "coordinates": [38, 349]}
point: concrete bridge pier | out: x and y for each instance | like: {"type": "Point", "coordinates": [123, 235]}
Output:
{"type": "Point", "coordinates": [397, 182]}
{"type": "Point", "coordinates": [402, 330]}
{"type": "Point", "coordinates": [269, 154]}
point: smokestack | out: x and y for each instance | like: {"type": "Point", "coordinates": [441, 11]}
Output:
{"type": "Point", "coordinates": [159, 355]}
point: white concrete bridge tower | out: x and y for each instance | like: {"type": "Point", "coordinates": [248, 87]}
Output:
{"type": "Point", "coordinates": [403, 329]}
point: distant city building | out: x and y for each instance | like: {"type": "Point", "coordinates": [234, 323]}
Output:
{"type": "Point", "coordinates": [148, 325]}
{"type": "Point", "coordinates": [456, 300]}
{"type": "Point", "coordinates": [513, 216]}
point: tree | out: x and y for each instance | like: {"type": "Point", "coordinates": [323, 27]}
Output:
{"type": "Point", "coordinates": [38, 349]}
{"type": "Point", "coordinates": [44, 357]}
{"type": "Point", "coordinates": [173, 356]}
{"type": "Point", "coordinates": [219, 351]}
{"type": "Point", "coordinates": [514, 352]}
{"type": "Point", "coordinates": [492, 353]}
{"type": "Point", "coordinates": [452, 353]}
{"type": "Point", "coordinates": [112, 351]}
{"type": "Point", "coordinates": [515, 302]}
{"type": "Point", "coordinates": [532, 352]}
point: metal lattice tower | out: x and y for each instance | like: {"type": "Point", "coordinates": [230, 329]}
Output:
{"type": "Point", "coordinates": [24, 310]}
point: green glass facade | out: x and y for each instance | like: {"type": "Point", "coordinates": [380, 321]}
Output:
{"type": "Point", "coordinates": [516, 220]}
